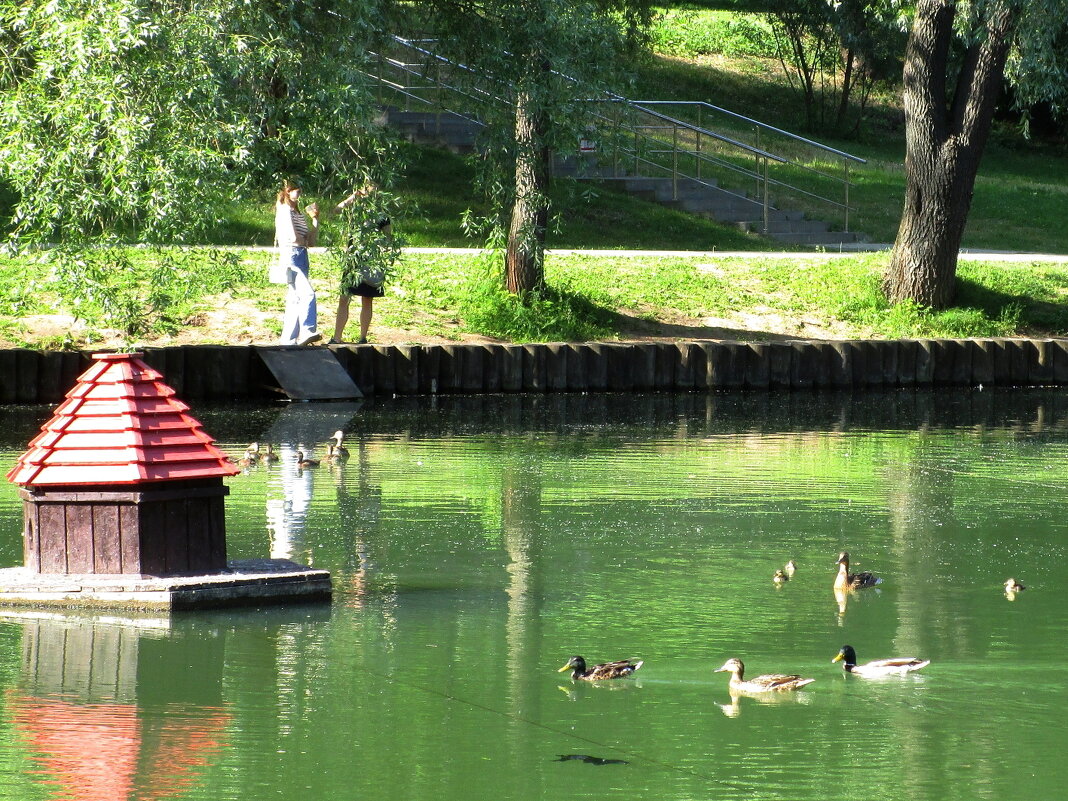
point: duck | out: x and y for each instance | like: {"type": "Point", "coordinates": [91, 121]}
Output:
{"type": "Point", "coordinates": [780, 577]}
{"type": "Point", "coordinates": [790, 569]}
{"type": "Point", "coordinates": [852, 581]}
{"type": "Point", "coordinates": [251, 455]}
{"type": "Point", "coordinates": [760, 684]}
{"type": "Point", "coordinates": [606, 670]}
{"type": "Point", "coordinates": [896, 666]}
{"type": "Point", "coordinates": [302, 462]}
{"type": "Point", "coordinates": [1012, 585]}
{"type": "Point", "coordinates": [339, 451]}
{"type": "Point", "coordinates": [269, 455]}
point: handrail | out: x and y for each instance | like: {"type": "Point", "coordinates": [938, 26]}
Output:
{"type": "Point", "coordinates": [671, 147]}
{"type": "Point", "coordinates": [743, 118]}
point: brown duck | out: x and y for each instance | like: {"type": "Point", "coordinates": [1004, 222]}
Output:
{"type": "Point", "coordinates": [852, 581]}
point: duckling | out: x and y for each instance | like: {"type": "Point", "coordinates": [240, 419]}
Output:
{"type": "Point", "coordinates": [303, 462]}
{"type": "Point", "coordinates": [791, 568]}
{"type": "Point", "coordinates": [760, 684]}
{"type": "Point", "coordinates": [780, 577]}
{"type": "Point", "coordinates": [852, 581]}
{"type": "Point", "coordinates": [251, 455]}
{"type": "Point", "coordinates": [605, 670]}
{"type": "Point", "coordinates": [341, 453]}
{"type": "Point", "coordinates": [897, 666]}
{"type": "Point", "coordinates": [269, 455]}
{"type": "Point", "coordinates": [1012, 585]}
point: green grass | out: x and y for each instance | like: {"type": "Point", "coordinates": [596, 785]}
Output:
{"type": "Point", "coordinates": [589, 296]}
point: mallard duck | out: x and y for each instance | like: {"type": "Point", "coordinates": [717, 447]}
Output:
{"type": "Point", "coordinates": [1012, 585]}
{"type": "Point", "coordinates": [791, 568]}
{"type": "Point", "coordinates": [760, 684]}
{"type": "Point", "coordinates": [780, 577]}
{"type": "Point", "coordinates": [339, 451]}
{"type": "Point", "coordinates": [852, 581]}
{"type": "Point", "coordinates": [303, 462]}
{"type": "Point", "coordinates": [605, 670]}
{"type": "Point", "coordinates": [897, 666]}
{"type": "Point", "coordinates": [269, 455]}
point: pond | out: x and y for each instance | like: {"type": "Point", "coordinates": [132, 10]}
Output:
{"type": "Point", "coordinates": [478, 543]}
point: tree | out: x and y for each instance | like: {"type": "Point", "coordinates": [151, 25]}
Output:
{"type": "Point", "coordinates": [142, 118]}
{"type": "Point", "coordinates": [835, 53]}
{"type": "Point", "coordinates": [543, 57]}
{"type": "Point", "coordinates": [955, 61]}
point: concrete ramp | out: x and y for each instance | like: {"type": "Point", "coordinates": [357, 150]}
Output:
{"type": "Point", "coordinates": [309, 374]}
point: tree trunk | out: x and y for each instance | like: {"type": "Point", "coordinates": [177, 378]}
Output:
{"type": "Point", "coordinates": [944, 143]}
{"type": "Point", "coordinates": [525, 256]}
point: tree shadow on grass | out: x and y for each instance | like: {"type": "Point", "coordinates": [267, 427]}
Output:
{"type": "Point", "coordinates": [586, 320]}
{"type": "Point", "coordinates": [1036, 315]}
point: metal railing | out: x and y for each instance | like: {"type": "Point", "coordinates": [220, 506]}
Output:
{"type": "Point", "coordinates": [692, 143]}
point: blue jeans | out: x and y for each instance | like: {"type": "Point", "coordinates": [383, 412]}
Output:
{"type": "Point", "coordinates": [299, 320]}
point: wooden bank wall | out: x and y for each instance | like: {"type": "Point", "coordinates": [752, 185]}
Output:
{"type": "Point", "coordinates": [220, 372]}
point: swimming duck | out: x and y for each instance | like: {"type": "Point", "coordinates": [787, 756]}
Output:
{"type": "Point", "coordinates": [303, 462]}
{"type": "Point", "coordinates": [897, 666]}
{"type": "Point", "coordinates": [1012, 585]}
{"type": "Point", "coordinates": [251, 454]}
{"type": "Point", "coordinates": [852, 581]}
{"type": "Point", "coordinates": [780, 577]}
{"type": "Point", "coordinates": [269, 455]}
{"type": "Point", "coordinates": [760, 684]}
{"type": "Point", "coordinates": [791, 568]}
{"type": "Point", "coordinates": [339, 451]}
{"type": "Point", "coordinates": [606, 670]}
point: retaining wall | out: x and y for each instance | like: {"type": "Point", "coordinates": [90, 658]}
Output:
{"type": "Point", "coordinates": [220, 372]}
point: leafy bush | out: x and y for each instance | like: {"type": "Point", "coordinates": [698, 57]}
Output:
{"type": "Point", "coordinates": [553, 314]}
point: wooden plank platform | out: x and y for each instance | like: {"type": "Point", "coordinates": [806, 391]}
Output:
{"type": "Point", "coordinates": [309, 373]}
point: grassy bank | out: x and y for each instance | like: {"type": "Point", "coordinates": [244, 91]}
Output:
{"type": "Point", "coordinates": [437, 296]}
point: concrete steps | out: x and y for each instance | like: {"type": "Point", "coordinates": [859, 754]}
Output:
{"type": "Point", "coordinates": [705, 198]}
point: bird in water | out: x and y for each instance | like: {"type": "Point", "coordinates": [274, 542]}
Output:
{"type": "Point", "coordinates": [303, 462]}
{"type": "Point", "coordinates": [780, 577]}
{"type": "Point", "coordinates": [605, 670]}
{"type": "Point", "coordinates": [1012, 586]}
{"type": "Point", "coordinates": [760, 684]}
{"type": "Point", "coordinates": [852, 581]}
{"type": "Point", "coordinates": [338, 450]}
{"type": "Point", "coordinates": [269, 455]}
{"type": "Point", "coordinates": [896, 666]}
{"type": "Point", "coordinates": [791, 568]}
{"type": "Point", "coordinates": [251, 455]}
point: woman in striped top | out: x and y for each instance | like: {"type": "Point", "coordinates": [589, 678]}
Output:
{"type": "Point", "coordinates": [295, 233]}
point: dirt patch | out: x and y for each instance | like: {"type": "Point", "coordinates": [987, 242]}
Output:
{"type": "Point", "coordinates": [242, 321]}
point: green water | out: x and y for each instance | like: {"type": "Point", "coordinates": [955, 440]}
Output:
{"type": "Point", "coordinates": [476, 544]}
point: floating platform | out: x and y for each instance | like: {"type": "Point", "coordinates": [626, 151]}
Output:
{"type": "Point", "coordinates": [253, 582]}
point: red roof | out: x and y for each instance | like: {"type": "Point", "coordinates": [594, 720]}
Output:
{"type": "Point", "coordinates": [120, 424]}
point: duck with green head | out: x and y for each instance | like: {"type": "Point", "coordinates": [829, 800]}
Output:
{"type": "Point", "coordinates": [606, 670]}
{"type": "Point", "coordinates": [895, 666]}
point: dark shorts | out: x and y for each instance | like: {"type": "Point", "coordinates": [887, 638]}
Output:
{"type": "Point", "coordinates": [357, 287]}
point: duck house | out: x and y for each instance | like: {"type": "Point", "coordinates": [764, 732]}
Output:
{"type": "Point", "coordinates": [122, 480]}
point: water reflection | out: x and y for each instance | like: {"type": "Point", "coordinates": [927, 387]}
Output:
{"type": "Point", "coordinates": [117, 708]}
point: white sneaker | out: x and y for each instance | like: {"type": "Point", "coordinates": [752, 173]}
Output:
{"type": "Point", "coordinates": [310, 339]}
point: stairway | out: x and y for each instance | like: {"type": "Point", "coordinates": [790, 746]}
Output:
{"type": "Point", "coordinates": [704, 198]}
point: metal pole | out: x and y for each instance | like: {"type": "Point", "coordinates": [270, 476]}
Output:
{"type": "Point", "coordinates": [674, 162]}
{"type": "Point", "coordinates": [847, 197]}
{"type": "Point", "coordinates": [766, 204]}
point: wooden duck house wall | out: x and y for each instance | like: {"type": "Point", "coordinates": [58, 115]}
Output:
{"type": "Point", "coordinates": [159, 530]}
